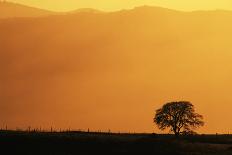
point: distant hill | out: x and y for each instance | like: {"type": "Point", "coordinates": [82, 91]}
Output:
{"type": "Point", "coordinates": [8, 10]}
{"type": "Point", "coordinates": [86, 10]}
{"type": "Point", "coordinates": [111, 70]}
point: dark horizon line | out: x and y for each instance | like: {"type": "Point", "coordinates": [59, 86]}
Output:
{"type": "Point", "coordinates": [81, 131]}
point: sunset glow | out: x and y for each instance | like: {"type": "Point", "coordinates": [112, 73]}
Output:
{"type": "Point", "coordinates": [111, 70]}
{"type": "Point", "coordinates": [112, 5]}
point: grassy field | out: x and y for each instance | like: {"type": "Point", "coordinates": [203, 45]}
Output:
{"type": "Point", "coordinates": [78, 143]}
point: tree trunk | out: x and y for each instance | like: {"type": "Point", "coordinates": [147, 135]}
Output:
{"type": "Point", "coordinates": [177, 132]}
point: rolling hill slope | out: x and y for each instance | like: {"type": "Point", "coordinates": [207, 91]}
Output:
{"type": "Point", "coordinates": [9, 10]}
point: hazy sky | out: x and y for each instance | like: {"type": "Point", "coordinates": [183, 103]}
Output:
{"type": "Point", "coordinates": [110, 5]}
{"type": "Point", "coordinates": [113, 72]}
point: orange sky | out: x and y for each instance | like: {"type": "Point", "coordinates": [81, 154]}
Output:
{"type": "Point", "coordinates": [112, 70]}
{"type": "Point", "coordinates": [110, 5]}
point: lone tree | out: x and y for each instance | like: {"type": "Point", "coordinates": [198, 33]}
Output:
{"type": "Point", "coordinates": [179, 117]}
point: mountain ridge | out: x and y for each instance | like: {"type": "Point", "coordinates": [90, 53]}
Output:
{"type": "Point", "coordinates": [11, 10]}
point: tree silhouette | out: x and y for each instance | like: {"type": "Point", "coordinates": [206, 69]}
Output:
{"type": "Point", "coordinates": [180, 117]}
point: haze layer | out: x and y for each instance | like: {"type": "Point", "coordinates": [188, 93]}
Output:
{"type": "Point", "coordinates": [112, 70]}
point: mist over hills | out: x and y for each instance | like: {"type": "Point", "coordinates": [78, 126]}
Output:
{"type": "Point", "coordinates": [87, 69]}
{"type": "Point", "coordinates": [12, 10]}
{"type": "Point", "coordinates": [86, 10]}
{"type": "Point", "coordinates": [9, 10]}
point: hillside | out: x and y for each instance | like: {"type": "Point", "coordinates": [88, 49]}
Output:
{"type": "Point", "coordinates": [9, 10]}
{"type": "Point", "coordinates": [72, 143]}
{"type": "Point", "coordinates": [131, 60]}
{"type": "Point", "coordinates": [85, 10]}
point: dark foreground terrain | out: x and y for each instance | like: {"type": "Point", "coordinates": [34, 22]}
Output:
{"type": "Point", "coordinates": [78, 143]}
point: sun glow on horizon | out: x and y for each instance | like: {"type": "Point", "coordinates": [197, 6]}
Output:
{"type": "Point", "coordinates": [114, 5]}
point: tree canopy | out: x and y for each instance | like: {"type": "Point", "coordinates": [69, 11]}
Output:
{"type": "Point", "coordinates": [180, 117]}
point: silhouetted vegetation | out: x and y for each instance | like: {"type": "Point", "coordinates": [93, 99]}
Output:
{"type": "Point", "coordinates": [179, 117]}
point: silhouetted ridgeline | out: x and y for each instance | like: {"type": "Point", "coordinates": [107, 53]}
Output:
{"type": "Point", "coordinates": [72, 143]}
